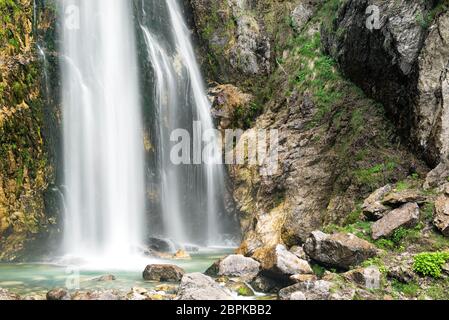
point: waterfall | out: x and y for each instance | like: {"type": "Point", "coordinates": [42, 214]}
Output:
{"type": "Point", "coordinates": [192, 196]}
{"type": "Point", "coordinates": [103, 144]}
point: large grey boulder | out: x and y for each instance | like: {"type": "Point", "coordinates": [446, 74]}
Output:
{"type": "Point", "coordinates": [278, 262]}
{"type": "Point", "coordinates": [197, 286]}
{"type": "Point", "coordinates": [339, 250]}
{"type": "Point", "coordinates": [237, 265]}
{"type": "Point", "coordinates": [406, 216]}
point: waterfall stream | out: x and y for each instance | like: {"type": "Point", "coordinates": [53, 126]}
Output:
{"type": "Point", "coordinates": [103, 149]}
{"type": "Point", "coordinates": [104, 162]}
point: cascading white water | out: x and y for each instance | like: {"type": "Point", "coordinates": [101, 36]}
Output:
{"type": "Point", "coordinates": [103, 145]}
{"type": "Point", "coordinates": [191, 195]}
{"type": "Point", "coordinates": [211, 156]}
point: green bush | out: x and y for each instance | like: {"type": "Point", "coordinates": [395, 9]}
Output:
{"type": "Point", "coordinates": [430, 263]}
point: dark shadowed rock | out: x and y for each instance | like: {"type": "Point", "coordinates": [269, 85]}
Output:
{"type": "Point", "coordinates": [197, 286]}
{"type": "Point", "coordinates": [163, 272]}
{"type": "Point", "coordinates": [266, 284]}
{"type": "Point", "coordinates": [161, 245]}
{"type": "Point", "coordinates": [237, 265]}
{"type": "Point", "coordinates": [406, 216]}
{"type": "Point", "coordinates": [58, 294]}
{"type": "Point", "coordinates": [340, 250]}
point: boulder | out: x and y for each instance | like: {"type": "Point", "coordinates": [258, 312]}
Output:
{"type": "Point", "coordinates": [372, 207]}
{"type": "Point", "coordinates": [406, 216]}
{"type": "Point", "coordinates": [368, 277]}
{"type": "Point", "coordinates": [441, 220]}
{"type": "Point", "coordinates": [161, 245]}
{"type": "Point", "coordinates": [437, 176]}
{"type": "Point", "coordinates": [403, 197]}
{"type": "Point", "coordinates": [317, 290]}
{"type": "Point", "coordinates": [237, 265]}
{"type": "Point", "coordinates": [7, 295]}
{"type": "Point", "coordinates": [340, 250]}
{"type": "Point", "coordinates": [197, 286]}
{"type": "Point", "coordinates": [163, 272]}
{"type": "Point", "coordinates": [58, 294]}
{"type": "Point", "coordinates": [278, 262]}
{"type": "Point", "coordinates": [108, 277]}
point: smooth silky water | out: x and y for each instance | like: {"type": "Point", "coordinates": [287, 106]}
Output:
{"type": "Point", "coordinates": [39, 278]}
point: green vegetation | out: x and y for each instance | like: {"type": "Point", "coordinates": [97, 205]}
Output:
{"type": "Point", "coordinates": [408, 289]}
{"type": "Point", "coordinates": [430, 263]}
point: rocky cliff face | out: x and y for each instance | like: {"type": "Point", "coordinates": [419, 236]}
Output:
{"type": "Point", "coordinates": [337, 142]}
{"type": "Point", "coordinates": [401, 61]}
{"type": "Point", "coordinates": [25, 169]}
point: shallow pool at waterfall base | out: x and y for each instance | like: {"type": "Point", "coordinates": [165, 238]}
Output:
{"type": "Point", "coordinates": [38, 278]}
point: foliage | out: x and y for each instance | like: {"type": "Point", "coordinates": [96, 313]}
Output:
{"type": "Point", "coordinates": [430, 263]}
{"type": "Point", "coordinates": [408, 289]}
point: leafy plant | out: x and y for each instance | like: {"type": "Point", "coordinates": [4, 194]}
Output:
{"type": "Point", "coordinates": [430, 263]}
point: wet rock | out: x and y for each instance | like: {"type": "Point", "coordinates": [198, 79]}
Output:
{"type": "Point", "coordinates": [406, 216]}
{"type": "Point", "coordinates": [403, 197]}
{"type": "Point", "coordinates": [318, 290]}
{"type": "Point", "coordinates": [182, 255]}
{"type": "Point", "coordinates": [197, 286]}
{"type": "Point", "coordinates": [58, 294]}
{"type": "Point", "coordinates": [163, 272]}
{"type": "Point", "coordinates": [107, 295]}
{"type": "Point", "coordinates": [372, 207]}
{"type": "Point", "coordinates": [368, 277]}
{"type": "Point", "coordinates": [441, 220]}
{"type": "Point", "coordinates": [241, 288]}
{"type": "Point", "coordinates": [108, 277]}
{"type": "Point", "coordinates": [7, 295]}
{"type": "Point", "coordinates": [161, 245]}
{"type": "Point", "coordinates": [167, 288]}
{"type": "Point", "coordinates": [340, 250]}
{"type": "Point", "coordinates": [281, 263]}
{"type": "Point", "coordinates": [138, 294]}
{"type": "Point", "coordinates": [239, 266]}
